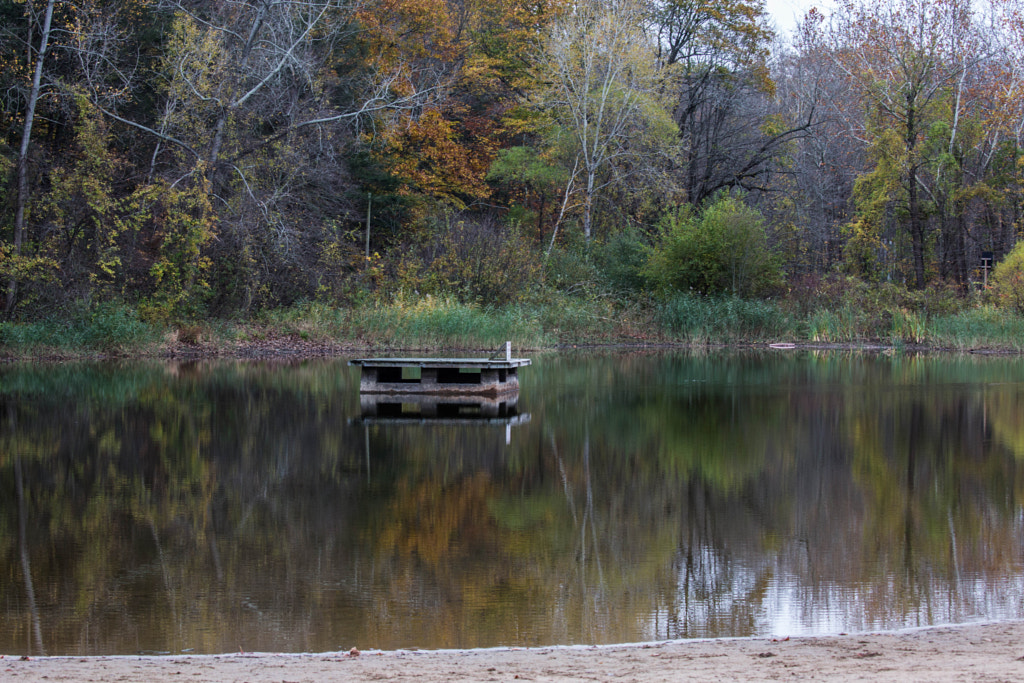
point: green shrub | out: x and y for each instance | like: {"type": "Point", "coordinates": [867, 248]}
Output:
{"type": "Point", "coordinates": [621, 260]}
{"type": "Point", "coordinates": [570, 268]}
{"type": "Point", "coordinates": [1008, 280]}
{"type": "Point", "coordinates": [723, 250]}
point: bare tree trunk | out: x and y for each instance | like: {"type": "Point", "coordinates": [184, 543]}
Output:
{"type": "Point", "coordinates": [913, 199]}
{"type": "Point", "coordinates": [228, 109]}
{"type": "Point", "coordinates": [26, 136]}
{"type": "Point", "coordinates": [565, 205]}
{"type": "Point", "coordinates": [916, 229]}
{"type": "Point", "coordinates": [588, 206]}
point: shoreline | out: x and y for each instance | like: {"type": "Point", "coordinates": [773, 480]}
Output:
{"type": "Point", "coordinates": [289, 348]}
{"type": "Point", "coordinates": [982, 651]}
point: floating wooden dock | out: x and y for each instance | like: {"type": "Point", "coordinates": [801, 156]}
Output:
{"type": "Point", "coordinates": [451, 376]}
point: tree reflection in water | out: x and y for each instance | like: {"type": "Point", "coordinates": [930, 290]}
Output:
{"type": "Point", "coordinates": [217, 506]}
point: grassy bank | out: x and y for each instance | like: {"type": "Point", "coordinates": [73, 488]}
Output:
{"type": "Point", "coordinates": [440, 323]}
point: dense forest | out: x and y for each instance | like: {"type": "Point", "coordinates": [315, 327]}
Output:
{"type": "Point", "coordinates": [191, 159]}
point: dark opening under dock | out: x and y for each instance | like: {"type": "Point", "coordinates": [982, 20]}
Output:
{"type": "Point", "coordinates": [482, 376]}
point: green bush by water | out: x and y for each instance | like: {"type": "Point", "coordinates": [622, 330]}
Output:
{"type": "Point", "coordinates": [721, 250]}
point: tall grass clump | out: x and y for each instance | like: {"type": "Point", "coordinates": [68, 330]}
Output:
{"type": "Point", "coordinates": [310, 320]}
{"type": "Point", "coordinates": [703, 320]}
{"type": "Point", "coordinates": [103, 328]}
{"type": "Point", "coordinates": [431, 322]}
{"type": "Point", "coordinates": [985, 327]}
{"type": "Point", "coordinates": [843, 325]}
{"type": "Point", "coordinates": [575, 319]}
{"type": "Point", "coordinates": [908, 326]}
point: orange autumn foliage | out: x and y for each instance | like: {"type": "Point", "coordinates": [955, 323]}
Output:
{"type": "Point", "coordinates": [445, 151]}
{"type": "Point", "coordinates": [442, 158]}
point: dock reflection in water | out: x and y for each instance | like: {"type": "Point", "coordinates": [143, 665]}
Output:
{"type": "Point", "coordinates": [442, 410]}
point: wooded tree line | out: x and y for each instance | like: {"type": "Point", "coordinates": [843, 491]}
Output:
{"type": "Point", "coordinates": [214, 156]}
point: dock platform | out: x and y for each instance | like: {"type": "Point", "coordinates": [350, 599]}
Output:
{"type": "Point", "coordinates": [446, 376]}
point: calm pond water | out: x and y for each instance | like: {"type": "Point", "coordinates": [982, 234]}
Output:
{"type": "Point", "coordinates": [213, 506]}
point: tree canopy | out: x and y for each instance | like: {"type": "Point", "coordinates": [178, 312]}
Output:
{"type": "Point", "coordinates": [201, 157]}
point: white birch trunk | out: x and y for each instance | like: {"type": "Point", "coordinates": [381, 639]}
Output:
{"type": "Point", "coordinates": [26, 136]}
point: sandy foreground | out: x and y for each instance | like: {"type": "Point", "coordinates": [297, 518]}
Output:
{"type": "Point", "coordinates": [979, 652]}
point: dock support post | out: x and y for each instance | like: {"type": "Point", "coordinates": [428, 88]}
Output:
{"type": "Point", "coordinates": [489, 378]}
{"type": "Point", "coordinates": [368, 379]}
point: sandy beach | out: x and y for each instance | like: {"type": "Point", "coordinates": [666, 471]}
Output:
{"type": "Point", "coordinates": [977, 652]}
